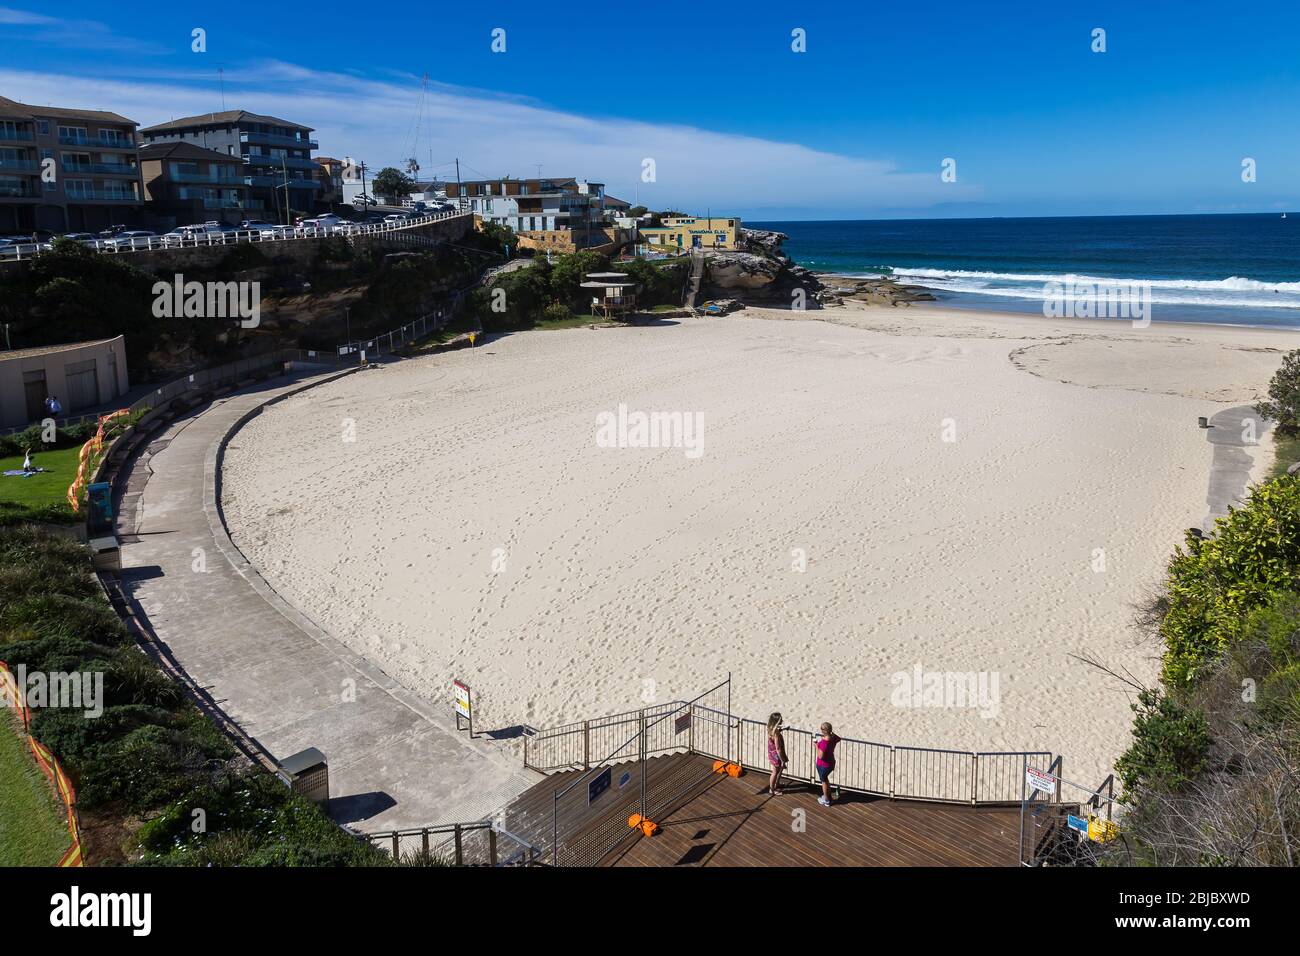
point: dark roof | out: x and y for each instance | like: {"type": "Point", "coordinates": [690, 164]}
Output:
{"type": "Point", "coordinates": [185, 151]}
{"type": "Point", "coordinates": [617, 202]}
{"type": "Point", "coordinates": [11, 109]}
{"type": "Point", "coordinates": [225, 118]}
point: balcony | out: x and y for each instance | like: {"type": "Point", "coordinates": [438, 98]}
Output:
{"type": "Point", "coordinates": [17, 192]}
{"type": "Point", "coordinates": [205, 179]}
{"type": "Point", "coordinates": [19, 165]}
{"type": "Point", "coordinates": [289, 162]}
{"type": "Point", "coordinates": [224, 204]}
{"type": "Point", "coordinates": [101, 195]}
{"type": "Point", "coordinates": [107, 169]}
{"type": "Point", "coordinates": [16, 136]}
{"type": "Point", "coordinates": [275, 182]}
{"type": "Point", "coordinates": [92, 143]}
{"type": "Point", "coordinates": [274, 139]}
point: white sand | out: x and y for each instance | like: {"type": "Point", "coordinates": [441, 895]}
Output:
{"type": "Point", "coordinates": [624, 566]}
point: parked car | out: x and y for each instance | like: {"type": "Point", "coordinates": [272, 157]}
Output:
{"type": "Point", "coordinates": [326, 224]}
{"type": "Point", "coordinates": [130, 239]}
{"type": "Point", "coordinates": [14, 247]}
{"type": "Point", "coordinates": [259, 226]}
{"type": "Point", "coordinates": [80, 237]}
{"type": "Point", "coordinates": [395, 217]}
{"type": "Point", "coordinates": [181, 235]}
{"type": "Point", "coordinates": [111, 231]}
{"type": "Point", "coordinates": [361, 201]}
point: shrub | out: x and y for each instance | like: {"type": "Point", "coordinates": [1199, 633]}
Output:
{"type": "Point", "coordinates": [1170, 744]}
{"type": "Point", "coordinates": [1283, 404]}
{"type": "Point", "coordinates": [556, 312]}
{"type": "Point", "coordinates": [1213, 583]}
{"type": "Point", "coordinates": [242, 255]}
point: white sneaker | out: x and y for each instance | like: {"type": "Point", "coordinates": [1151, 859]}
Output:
{"type": "Point", "coordinates": [823, 801]}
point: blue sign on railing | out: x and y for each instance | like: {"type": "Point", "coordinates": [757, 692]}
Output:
{"type": "Point", "coordinates": [599, 784]}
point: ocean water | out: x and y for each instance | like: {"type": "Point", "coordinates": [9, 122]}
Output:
{"type": "Point", "coordinates": [1235, 270]}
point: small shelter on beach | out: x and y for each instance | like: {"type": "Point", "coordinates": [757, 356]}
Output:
{"type": "Point", "coordinates": [612, 294]}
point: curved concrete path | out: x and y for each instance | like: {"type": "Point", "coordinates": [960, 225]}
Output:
{"type": "Point", "coordinates": [395, 759]}
{"type": "Point", "coordinates": [1237, 435]}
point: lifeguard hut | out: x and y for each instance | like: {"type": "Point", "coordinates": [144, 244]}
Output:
{"type": "Point", "coordinates": [612, 294]}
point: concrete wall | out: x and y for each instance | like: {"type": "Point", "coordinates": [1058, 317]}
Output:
{"type": "Point", "coordinates": [109, 358]}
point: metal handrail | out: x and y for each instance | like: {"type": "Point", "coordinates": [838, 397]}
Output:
{"type": "Point", "coordinates": [526, 853]}
{"type": "Point", "coordinates": [977, 778]}
{"type": "Point", "coordinates": [30, 250]}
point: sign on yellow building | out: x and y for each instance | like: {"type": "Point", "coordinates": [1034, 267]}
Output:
{"type": "Point", "coordinates": [692, 232]}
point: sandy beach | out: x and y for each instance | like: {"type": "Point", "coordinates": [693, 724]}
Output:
{"type": "Point", "coordinates": [869, 491]}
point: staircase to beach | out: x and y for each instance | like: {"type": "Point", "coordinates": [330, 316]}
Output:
{"type": "Point", "coordinates": [697, 278]}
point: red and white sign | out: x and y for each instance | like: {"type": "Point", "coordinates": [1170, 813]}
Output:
{"type": "Point", "coordinates": [1038, 780]}
{"type": "Point", "coordinates": [460, 698]}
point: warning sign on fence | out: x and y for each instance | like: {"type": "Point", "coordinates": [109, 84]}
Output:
{"type": "Point", "coordinates": [1040, 781]}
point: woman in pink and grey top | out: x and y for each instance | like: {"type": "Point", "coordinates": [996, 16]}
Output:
{"type": "Point", "coordinates": [826, 742]}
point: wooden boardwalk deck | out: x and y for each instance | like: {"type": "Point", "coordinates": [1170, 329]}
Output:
{"type": "Point", "coordinates": [716, 820]}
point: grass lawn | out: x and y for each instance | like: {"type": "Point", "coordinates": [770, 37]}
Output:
{"type": "Point", "coordinates": [40, 497]}
{"type": "Point", "coordinates": [1286, 450]}
{"type": "Point", "coordinates": [35, 831]}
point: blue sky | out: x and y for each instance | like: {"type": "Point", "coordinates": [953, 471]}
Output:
{"type": "Point", "coordinates": [856, 127]}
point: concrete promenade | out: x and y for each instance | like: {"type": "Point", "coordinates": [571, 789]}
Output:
{"type": "Point", "coordinates": [395, 757]}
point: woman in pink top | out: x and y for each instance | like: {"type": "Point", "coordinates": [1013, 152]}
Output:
{"type": "Point", "coordinates": [775, 753]}
{"type": "Point", "coordinates": [826, 741]}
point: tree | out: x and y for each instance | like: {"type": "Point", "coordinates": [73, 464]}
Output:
{"type": "Point", "coordinates": [568, 272]}
{"type": "Point", "coordinates": [1283, 405]}
{"type": "Point", "coordinates": [393, 183]}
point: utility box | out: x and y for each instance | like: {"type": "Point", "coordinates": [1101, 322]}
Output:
{"type": "Point", "coordinates": [105, 553]}
{"type": "Point", "coordinates": [308, 774]}
{"type": "Point", "coordinates": [99, 520]}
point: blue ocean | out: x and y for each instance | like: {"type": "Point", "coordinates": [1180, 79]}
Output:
{"type": "Point", "coordinates": [1229, 269]}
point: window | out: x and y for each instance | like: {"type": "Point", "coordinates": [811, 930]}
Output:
{"type": "Point", "coordinates": [72, 134]}
{"type": "Point", "coordinates": [80, 188]}
{"type": "Point", "coordinates": [43, 127]}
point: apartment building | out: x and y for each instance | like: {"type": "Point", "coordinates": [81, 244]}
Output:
{"type": "Point", "coordinates": [184, 184]}
{"type": "Point", "coordinates": [280, 175]}
{"type": "Point", "coordinates": [537, 205]}
{"type": "Point", "coordinates": [66, 170]}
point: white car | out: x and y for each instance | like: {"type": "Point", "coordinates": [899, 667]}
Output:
{"type": "Point", "coordinates": [327, 223]}
{"type": "Point", "coordinates": [131, 239]}
{"type": "Point", "coordinates": [259, 226]}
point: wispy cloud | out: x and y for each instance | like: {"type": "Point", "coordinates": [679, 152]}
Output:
{"type": "Point", "coordinates": [32, 27]}
{"type": "Point", "coordinates": [376, 120]}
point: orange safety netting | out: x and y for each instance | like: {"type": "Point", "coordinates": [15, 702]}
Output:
{"type": "Point", "coordinates": [90, 452]}
{"type": "Point", "coordinates": [11, 696]}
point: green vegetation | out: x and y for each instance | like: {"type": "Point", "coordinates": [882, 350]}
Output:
{"type": "Point", "coordinates": [1210, 778]}
{"type": "Point", "coordinates": [1213, 583]}
{"type": "Point", "coordinates": [549, 293]}
{"type": "Point", "coordinates": [150, 755]}
{"type": "Point", "coordinates": [1283, 404]}
{"type": "Point", "coordinates": [392, 183]}
{"type": "Point", "coordinates": [39, 497]}
{"type": "Point", "coordinates": [73, 294]}
{"type": "Point", "coordinates": [35, 831]}
{"type": "Point", "coordinates": [1286, 450]}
